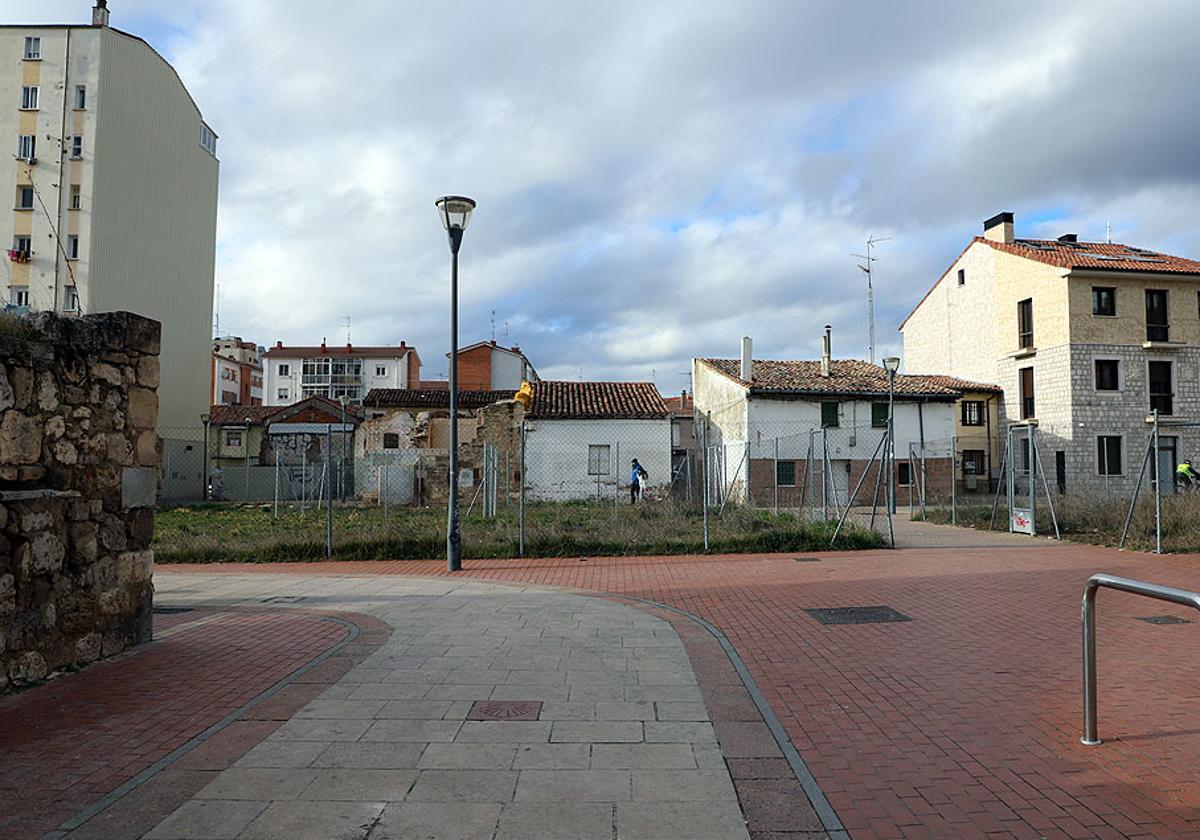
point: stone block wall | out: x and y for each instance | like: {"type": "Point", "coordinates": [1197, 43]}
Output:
{"type": "Point", "coordinates": [78, 474]}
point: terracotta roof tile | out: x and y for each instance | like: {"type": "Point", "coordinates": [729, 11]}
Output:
{"type": "Point", "coordinates": [848, 377]}
{"type": "Point", "coordinates": [226, 415]}
{"type": "Point", "coordinates": [431, 398]}
{"type": "Point", "coordinates": [597, 401]}
{"type": "Point", "coordinates": [335, 350]}
{"type": "Point", "coordinates": [1103, 256]}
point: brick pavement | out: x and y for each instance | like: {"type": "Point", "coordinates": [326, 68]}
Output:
{"type": "Point", "coordinates": [74, 740]}
{"type": "Point", "coordinates": [963, 722]}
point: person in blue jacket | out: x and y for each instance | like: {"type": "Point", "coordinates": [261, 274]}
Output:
{"type": "Point", "coordinates": [636, 482]}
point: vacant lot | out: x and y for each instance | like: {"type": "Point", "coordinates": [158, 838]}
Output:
{"type": "Point", "coordinates": [251, 533]}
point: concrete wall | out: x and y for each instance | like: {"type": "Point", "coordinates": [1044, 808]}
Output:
{"type": "Point", "coordinates": [78, 473]}
{"type": "Point", "coordinates": [557, 456]}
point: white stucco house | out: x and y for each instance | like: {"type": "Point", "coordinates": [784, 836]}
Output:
{"type": "Point", "coordinates": [581, 437]}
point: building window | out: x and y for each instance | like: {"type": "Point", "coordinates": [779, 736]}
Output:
{"type": "Point", "coordinates": [73, 246]}
{"type": "Point", "coordinates": [391, 440]}
{"type": "Point", "coordinates": [1025, 323]}
{"type": "Point", "coordinates": [1107, 375]}
{"type": "Point", "coordinates": [80, 97]}
{"type": "Point", "coordinates": [381, 370]}
{"type": "Point", "coordinates": [1027, 404]}
{"type": "Point", "coordinates": [24, 198]}
{"type": "Point", "coordinates": [903, 473]}
{"type": "Point", "coordinates": [208, 139]}
{"type": "Point", "coordinates": [72, 299]}
{"type": "Point", "coordinates": [879, 415]}
{"type": "Point", "coordinates": [785, 473]}
{"type": "Point", "coordinates": [20, 296]}
{"type": "Point", "coordinates": [285, 370]}
{"type": "Point", "coordinates": [282, 393]}
{"type": "Point", "coordinates": [26, 147]}
{"type": "Point", "coordinates": [1162, 394]}
{"type": "Point", "coordinates": [1108, 455]}
{"type": "Point", "coordinates": [598, 459]}
{"type": "Point", "coordinates": [972, 413]}
{"type": "Point", "coordinates": [76, 146]}
{"type": "Point", "coordinates": [962, 277]}
{"type": "Point", "coordinates": [1104, 300]}
{"type": "Point", "coordinates": [76, 200]}
{"type": "Point", "coordinates": [972, 462]}
{"type": "Point", "coordinates": [23, 245]}
{"type": "Point", "coordinates": [233, 439]}
{"type": "Point", "coordinates": [1157, 328]}
{"type": "Point", "coordinates": [29, 98]}
{"type": "Point", "coordinates": [829, 415]}
{"type": "Point", "coordinates": [33, 49]}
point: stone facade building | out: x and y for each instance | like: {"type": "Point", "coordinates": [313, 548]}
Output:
{"type": "Point", "coordinates": [78, 471]}
{"type": "Point", "coordinates": [1084, 338]}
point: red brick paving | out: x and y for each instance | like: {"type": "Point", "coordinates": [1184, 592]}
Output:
{"type": "Point", "coordinates": [68, 743]}
{"type": "Point", "coordinates": [961, 723]}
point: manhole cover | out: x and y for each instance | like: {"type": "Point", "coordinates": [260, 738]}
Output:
{"type": "Point", "coordinates": [170, 610]}
{"type": "Point", "coordinates": [505, 710]}
{"type": "Point", "coordinates": [857, 615]}
{"type": "Point", "coordinates": [1163, 619]}
{"type": "Point", "coordinates": [284, 599]}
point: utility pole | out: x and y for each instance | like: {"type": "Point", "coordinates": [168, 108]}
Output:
{"type": "Point", "coordinates": [870, 257]}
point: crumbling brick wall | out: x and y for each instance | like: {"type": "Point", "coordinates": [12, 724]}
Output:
{"type": "Point", "coordinates": [78, 475]}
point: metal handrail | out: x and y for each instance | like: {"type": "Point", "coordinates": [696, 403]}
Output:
{"type": "Point", "coordinates": [1090, 589]}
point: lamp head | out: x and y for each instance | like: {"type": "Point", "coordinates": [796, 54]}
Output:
{"type": "Point", "coordinates": [891, 364]}
{"type": "Point", "coordinates": [455, 211]}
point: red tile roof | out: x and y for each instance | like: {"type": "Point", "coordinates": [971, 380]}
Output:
{"type": "Point", "coordinates": [597, 401]}
{"type": "Point", "coordinates": [681, 406]}
{"type": "Point", "coordinates": [229, 415]}
{"type": "Point", "coordinates": [278, 352]}
{"type": "Point", "coordinates": [848, 377]}
{"type": "Point", "coordinates": [431, 398]}
{"type": "Point", "coordinates": [1102, 256]}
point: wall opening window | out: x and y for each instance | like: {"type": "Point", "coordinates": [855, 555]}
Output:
{"type": "Point", "coordinates": [20, 296]}
{"type": "Point", "coordinates": [1162, 393]}
{"type": "Point", "coordinates": [972, 462]}
{"type": "Point", "coordinates": [1108, 455]}
{"type": "Point", "coordinates": [1107, 375]}
{"type": "Point", "coordinates": [829, 415]}
{"type": "Point", "coordinates": [23, 245]}
{"type": "Point", "coordinates": [903, 473]}
{"type": "Point", "coordinates": [282, 394]}
{"type": "Point", "coordinates": [76, 198]}
{"type": "Point", "coordinates": [879, 415]}
{"type": "Point", "coordinates": [29, 98]}
{"type": "Point", "coordinates": [1104, 300]}
{"type": "Point", "coordinates": [785, 473]}
{"type": "Point", "coordinates": [24, 198]}
{"type": "Point", "coordinates": [598, 459]}
{"type": "Point", "coordinates": [962, 277]}
{"type": "Point", "coordinates": [26, 147]}
{"type": "Point", "coordinates": [76, 146]}
{"type": "Point", "coordinates": [80, 97]}
{"type": "Point", "coordinates": [233, 438]}
{"type": "Point", "coordinates": [972, 412]}
{"type": "Point", "coordinates": [391, 440]}
{"type": "Point", "coordinates": [1157, 328]}
{"type": "Point", "coordinates": [1027, 404]}
{"type": "Point", "coordinates": [208, 139]}
{"type": "Point", "coordinates": [1025, 323]}
{"type": "Point", "coordinates": [33, 49]}
{"type": "Point", "coordinates": [381, 370]}
{"type": "Point", "coordinates": [72, 302]}
{"type": "Point", "coordinates": [73, 246]}
{"type": "Point", "coordinates": [285, 370]}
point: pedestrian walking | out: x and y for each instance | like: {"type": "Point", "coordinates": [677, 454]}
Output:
{"type": "Point", "coordinates": [637, 482]}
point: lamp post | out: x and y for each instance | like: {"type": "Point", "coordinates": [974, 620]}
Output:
{"type": "Point", "coordinates": [891, 364]}
{"type": "Point", "coordinates": [246, 499]}
{"type": "Point", "coordinates": [204, 418]}
{"type": "Point", "coordinates": [342, 459]}
{"type": "Point", "coordinates": [455, 211]}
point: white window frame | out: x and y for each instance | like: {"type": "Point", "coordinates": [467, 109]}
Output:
{"type": "Point", "coordinates": [282, 394]}
{"type": "Point", "coordinates": [284, 370]}
{"type": "Point", "coordinates": [230, 433]}
{"type": "Point", "coordinates": [595, 450]}
{"type": "Point", "coordinates": [76, 146]}
{"type": "Point", "coordinates": [29, 97]}
{"type": "Point", "coordinates": [72, 304]}
{"type": "Point", "coordinates": [75, 202]}
{"type": "Point", "coordinates": [20, 296]}
{"type": "Point", "coordinates": [80, 97]}
{"type": "Point", "coordinates": [33, 48]}
{"type": "Point", "coordinates": [381, 370]}
{"type": "Point", "coordinates": [208, 139]}
{"type": "Point", "coordinates": [72, 246]}
{"type": "Point", "coordinates": [27, 147]}
{"type": "Point", "coordinates": [23, 242]}
{"type": "Point", "coordinates": [21, 192]}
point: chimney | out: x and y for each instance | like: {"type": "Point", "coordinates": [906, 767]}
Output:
{"type": "Point", "coordinates": [999, 228]}
{"type": "Point", "coordinates": [278, 344]}
{"type": "Point", "coordinates": [322, 345]}
{"type": "Point", "coordinates": [100, 13]}
{"type": "Point", "coordinates": [827, 351]}
{"type": "Point", "coordinates": [747, 359]}
{"type": "Point", "coordinates": [1069, 237]}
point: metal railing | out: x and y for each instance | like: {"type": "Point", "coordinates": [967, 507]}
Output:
{"type": "Point", "coordinates": [1090, 589]}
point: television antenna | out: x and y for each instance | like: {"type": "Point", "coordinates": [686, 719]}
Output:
{"type": "Point", "coordinates": [346, 324]}
{"type": "Point", "coordinates": [870, 257]}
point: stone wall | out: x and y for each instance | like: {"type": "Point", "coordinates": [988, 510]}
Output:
{"type": "Point", "coordinates": [78, 473]}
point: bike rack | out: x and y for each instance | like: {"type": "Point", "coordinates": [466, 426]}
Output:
{"type": "Point", "coordinates": [1090, 589]}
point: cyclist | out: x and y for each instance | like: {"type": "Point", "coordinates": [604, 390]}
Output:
{"type": "Point", "coordinates": [1185, 476]}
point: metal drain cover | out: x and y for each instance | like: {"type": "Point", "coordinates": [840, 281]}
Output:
{"type": "Point", "coordinates": [1163, 619]}
{"type": "Point", "coordinates": [857, 615]}
{"type": "Point", "coordinates": [505, 710]}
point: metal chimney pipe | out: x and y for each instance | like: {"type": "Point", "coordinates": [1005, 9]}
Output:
{"type": "Point", "coordinates": [826, 351]}
{"type": "Point", "coordinates": [747, 359]}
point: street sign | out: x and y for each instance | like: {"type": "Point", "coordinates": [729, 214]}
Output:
{"type": "Point", "coordinates": [1022, 521]}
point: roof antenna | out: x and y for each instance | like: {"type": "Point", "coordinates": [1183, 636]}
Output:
{"type": "Point", "coordinates": [346, 321]}
{"type": "Point", "coordinates": [493, 326]}
{"type": "Point", "coordinates": [506, 331]}
{"type": "Point", "coordinates": [1108, 232]}
{"type": "Point", "coordinates": [217, 325]}
{"type": "Point", "coordinates": [870, 258]}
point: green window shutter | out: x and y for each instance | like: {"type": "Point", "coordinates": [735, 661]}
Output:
{"type": "Point", "coordinates": [879, 415]}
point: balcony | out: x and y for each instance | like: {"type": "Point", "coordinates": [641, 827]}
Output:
{"type": "Point", "coordinates": [19, 256]}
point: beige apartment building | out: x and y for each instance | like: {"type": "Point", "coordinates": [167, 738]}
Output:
{"type": "Point", "coordinates": [113, 176]}
{"type": "Point", "coordinates": [1084, 338]}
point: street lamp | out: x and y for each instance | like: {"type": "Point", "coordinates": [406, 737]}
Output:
{"type": "Point", "coordinates": [455, 211]}
{"type": "Point", "coordinates": [342, 460]}
{"type": "Point", "coordinates": [891, 364]}
{"type": "Point", "coordinates": [247, 444]}
{"type": "Point", "coordinates": [204, 418]}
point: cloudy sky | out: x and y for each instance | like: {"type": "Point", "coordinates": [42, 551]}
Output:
{"type": "Point", "coordinates": [657, 179]}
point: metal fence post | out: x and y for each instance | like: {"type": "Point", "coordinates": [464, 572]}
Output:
{"type": "Point", "coordinates": [1157, 489]}
{"type": "Point", "coordinates": [521, 500]}
{"type": "Point", "coordinates": [954, 480]}
{"type": "Point", "coordinates": [329, 489]}
{"type": "Point", "coordinates": [826, 473]}
{"type": "Point", "coordinates": [617, 478]}
{"type": "Point", "coordinates": [704, 477]}
{"type": "Point", "coordinates": [1032, 444]}
{"type": "Point", "coordinates": [303, 475]}
{"type": "Point", "coordinates": [276, 485]}
{"type": "Point", "coordinates": [775, 482]}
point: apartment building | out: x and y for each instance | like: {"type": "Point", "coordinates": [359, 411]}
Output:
{"type": "Point", "coordinates": [113, 176]}
{"type": "Point", "coordinates": [487, 366]}
{"type": "Point", "coordinates": [1084, 338]}
{"type": "Point", "coordinates": [294, 373]}
{"type": "Point", "coordinates": [237, 372]}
